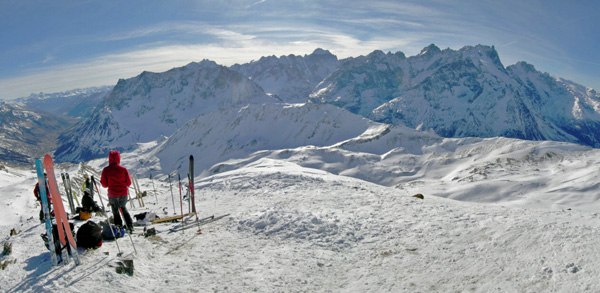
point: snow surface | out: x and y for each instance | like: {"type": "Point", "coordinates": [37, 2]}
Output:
{"type": "Point", "coordinates": [498, 215]}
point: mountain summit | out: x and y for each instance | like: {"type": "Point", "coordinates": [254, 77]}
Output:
{"type": "Point", "coordinates": [152, 105]}
{"type": "Point", "coordinates": [292, 78]}
{"type": "Point", "coordinates": [456, 93]}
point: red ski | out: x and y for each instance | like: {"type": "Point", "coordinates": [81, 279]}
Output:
{"type": "Point", "coordinates": [59, 210]}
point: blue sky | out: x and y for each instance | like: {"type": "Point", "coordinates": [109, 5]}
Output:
{"type": "Point", "coordinates": [52, 46]}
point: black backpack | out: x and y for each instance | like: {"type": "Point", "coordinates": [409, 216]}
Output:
{"type": "Point", "coordinates": [89, 235]}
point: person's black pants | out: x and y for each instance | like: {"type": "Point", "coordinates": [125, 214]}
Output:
{"type": "Point", "coordinates": [120, 203]}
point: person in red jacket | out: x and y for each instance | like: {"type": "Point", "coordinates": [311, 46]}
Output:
{"type": "Point", "coordinates": [36, 192]}
{"type": "Point", "coordinates": [116, 178]}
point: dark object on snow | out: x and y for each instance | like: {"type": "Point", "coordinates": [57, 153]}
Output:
{"type": "Point", "coordinates": [89, 235]}
{"type": "Point", "coordinates": [418, 195]}
{"type": "Point", "coordinates": [108, 235]}
{"type": "Point", "coordinates": [7, 249]}
{"type": "Point", "coordinates": [150, 232]}
{"type": "Point", "coordinates": [88, 204]}
{"type": "Point", "coordinates": [125, 267]}
{"type": "Point", "coordinates": [146, 217]}
{"type": "Point", "coordinates": [141, 216]}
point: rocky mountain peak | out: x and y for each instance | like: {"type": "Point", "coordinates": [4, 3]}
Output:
{"type": "Point", "coordinates": [430, 50]}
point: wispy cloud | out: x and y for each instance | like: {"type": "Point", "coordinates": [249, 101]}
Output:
{"type": "Point", "coordinates": [508, 44]}
{"type": "Point", "coordinates": [256, 3]}
{"type": "Point", "coordinates": [181, 27]}
{"type": "Point", "coordinates": [48, 58]}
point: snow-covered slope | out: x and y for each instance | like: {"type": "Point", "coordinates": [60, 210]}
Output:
{"type": "Point", "coordinates": [467, 169]}
{"type": "Point", "coordinates": [295, 228]}
{"type": "Point", "coordinates": [151, 105]}
{"type": "Point", "coordinates": [236, 133]}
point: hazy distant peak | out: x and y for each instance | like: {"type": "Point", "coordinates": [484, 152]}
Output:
{"type": "Point", "coordinates": [320, 51]}
{"type": "Point", "coordinates": [430, 50]}
{"type": "Point", "coordinates": [523, 66]}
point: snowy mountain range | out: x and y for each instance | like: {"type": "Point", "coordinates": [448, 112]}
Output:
{"type": "Point", "coordinates": [292, 78]}
{"type": "Point", "coordinates": [456, 93]}
{"type": "Point", "coordinates": [74, 103]}
{"type": "Point", "coordinates": [463, 93]}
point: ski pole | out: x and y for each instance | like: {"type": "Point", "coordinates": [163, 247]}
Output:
{"type": "Point", "coordinates": [154, 187]}
{"type": "Point", "coordinates": [131, 239]}
{"type": "Point", "coordinates": [113, 233]}
{"type": "Point", "coordinates": [106, 216]}
{"type": "Point", "coordinates": [172, 197]}
{"type": "Point", "coordinates": [181, 202]}
{"type": "Point", "coordinates": [99, 195]}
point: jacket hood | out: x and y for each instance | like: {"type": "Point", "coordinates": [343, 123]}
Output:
{"type": "Point", "coordinates": [114, 158]}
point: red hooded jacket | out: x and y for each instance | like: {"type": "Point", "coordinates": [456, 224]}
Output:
{"type": "Point", "coordinates": [115, 176]}
{"type": "Point", "coordinates": [36, 192]}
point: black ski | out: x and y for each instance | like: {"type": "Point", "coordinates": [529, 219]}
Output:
{"type": "Point", "coordinates": [192, 197]}
{"type": "Point", "coordinates": [73, 194]}
{"type": "Point", "coordinates": [191, 182]}
{"type": "Point", "coordinates": [69, 197]}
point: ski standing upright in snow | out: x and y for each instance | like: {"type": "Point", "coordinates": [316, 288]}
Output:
{"type": "Point", "coordinates": [62, 221]}
{"type": "Point", "coordinates": [191, 182]}
{"type": "Point", "coordinates": [71, 192]}
{"type": "Point", "coordinates": [138, 191]}
{"type": "Point", "coordinates": [192, 197]}
{"type": "Point", "coordinates": [67, 189]}
{"type": "Point", "coordinates": [46, 207]}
